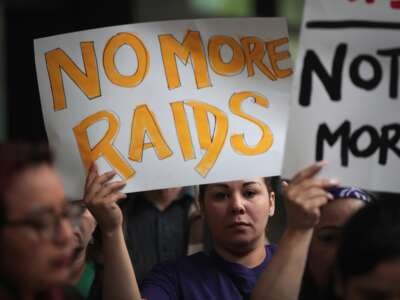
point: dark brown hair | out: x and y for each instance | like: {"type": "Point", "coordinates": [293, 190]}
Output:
{"type": "Point", "coordinates": [16, 157]}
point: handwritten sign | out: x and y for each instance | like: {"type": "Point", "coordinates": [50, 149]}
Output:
{"type": "Point", "coordinates": [346, 103]}
{"type": "Point", "coordinates": [169, 103]}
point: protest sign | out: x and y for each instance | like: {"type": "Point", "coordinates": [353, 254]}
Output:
{"type": "Point", "coordinates": [346, 103]}
{"type": "Point", "coordinates": [169, 103]}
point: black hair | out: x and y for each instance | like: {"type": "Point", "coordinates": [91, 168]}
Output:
{"type": "Point", "coordinates": [371, 236]}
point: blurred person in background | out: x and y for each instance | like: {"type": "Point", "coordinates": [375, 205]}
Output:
{"type": "Point", "coordinates": [83, 259]}
{"type": "Point", "coordinates": [326, 238]}
{"type": "Point", "coordinates": [35, 225]}
{"type": "Point", "coordinates": [174, 227]}
{"type": "Point", "coordinates": [317, 246]}
{"type": "Point", "coordinates": [368, 257]}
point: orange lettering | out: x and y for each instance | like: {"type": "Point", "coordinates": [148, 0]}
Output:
{"type": "Point", "coordinates": [191, 46]}
{"type": "Point", "coordinates": [104, 147]}
{"type": "Point", "coordinates": [88, 80]}
{"type": "Point", "coordinates": [142, 56]}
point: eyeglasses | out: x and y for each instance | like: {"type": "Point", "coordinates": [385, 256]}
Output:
{"type": "Point", "coordinates": [46, 223]}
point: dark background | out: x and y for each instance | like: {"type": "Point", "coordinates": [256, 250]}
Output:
{"type": "Point", "coordinates": [22, 21]}
{"type": "Point", "coordinates": [25, 21]}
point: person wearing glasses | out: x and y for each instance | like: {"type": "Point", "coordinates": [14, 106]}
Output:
{"type": "Point", "coordinates": [35, 225]}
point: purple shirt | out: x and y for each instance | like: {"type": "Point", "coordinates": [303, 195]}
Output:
{"type": "Point", "coordinates": [202, 276]}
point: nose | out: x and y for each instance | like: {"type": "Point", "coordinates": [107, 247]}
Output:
{"type": "Point", "coordinates": [237, 203]}
{"type": "Point", "coordinates": [65, 233]}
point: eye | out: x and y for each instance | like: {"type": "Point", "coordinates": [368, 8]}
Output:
{"type": "Point", "coordinates": [250, 193]}
{"type": "Point", "coordinates": [219, 195]}
{"type": "Point", "coordinates": [45, 221]}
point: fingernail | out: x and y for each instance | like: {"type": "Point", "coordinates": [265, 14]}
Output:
{"type": "Point", "coordinates": [334, 181]}
{"type": "Point", "coordinates": [330, 196]}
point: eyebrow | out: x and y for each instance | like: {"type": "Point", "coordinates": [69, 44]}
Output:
{"type": "Point", "coordinates": [217, 185]}
{"type": "Point", "coordinates": [251, 183]}
{"type": "Point", "coordinates": [39, 210]}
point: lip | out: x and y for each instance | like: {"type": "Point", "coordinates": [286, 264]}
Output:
{"type": "Point", "coordinates": [62, 261]}
{"type": "Point", "coordinates": [239, 224]}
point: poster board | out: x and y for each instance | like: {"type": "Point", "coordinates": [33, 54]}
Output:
{"type": "Point", "coordinates": [167, 103]}
{"type": "Point", "coordinates": [346, 103]}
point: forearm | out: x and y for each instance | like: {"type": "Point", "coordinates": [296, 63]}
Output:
{"type": "Point", "coordinates": [119, 280]}
{"type": "Point", "coordinates": [281, 280]}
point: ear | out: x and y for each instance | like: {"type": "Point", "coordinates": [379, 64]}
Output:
{"type": "Point", "coordinates": [271, 210]}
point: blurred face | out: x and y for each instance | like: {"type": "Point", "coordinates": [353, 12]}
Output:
{"type": "Point", "coordinates": [31, 254]}
{"type": "Point", "coordinates": [326, 238]}
{"type": "Point", "coordinates": [237, 213]}
{"type": "Point", "coordinates": [382, 283]}
{"type": "Point", "coordinates": [82, 233]}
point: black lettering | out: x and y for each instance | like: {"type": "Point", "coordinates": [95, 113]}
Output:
{"type": "Point", "coordinates": [389, 142]}
{"type": "Point", "coordinates": [367, 84]}
{"type": "Point", "coordinates": [373, 143]}
{"type": "Point", "coordinates": [324, 134]}
{"type": "Point", "coordinates": [394, 70]}
{"type": "Point", "coordinates": [332, 83]}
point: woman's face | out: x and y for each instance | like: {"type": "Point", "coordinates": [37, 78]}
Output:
{"type": "Point", "coordinates": [82, 233]}
{"type": "Point", "coordinates": [32, 254]}
{"type": "Point", "coordinates": [382, 283]}
{"type": "Point", "coordinates": [326, 238]}
{"type": "Point", "coordinates": [237, 213]}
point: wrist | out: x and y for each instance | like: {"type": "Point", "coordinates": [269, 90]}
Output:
{"type": "Point", "coordinates": [111, 233]}
{"type": "Point", "coordinates": [296, 233]}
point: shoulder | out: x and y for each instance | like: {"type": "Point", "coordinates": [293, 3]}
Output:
{"type": "Point", "coordinates": [182, 265]}
{"type": "Point", "coordinates": [165, 281]}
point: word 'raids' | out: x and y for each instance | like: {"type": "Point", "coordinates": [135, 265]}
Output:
{"type": "Point", "coordinates": [145, 123]}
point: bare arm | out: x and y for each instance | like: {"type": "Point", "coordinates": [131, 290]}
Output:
{"type": "Point", "coordinates": [101, 196]}
{"type": "Point", "coordinates": [305, 195]}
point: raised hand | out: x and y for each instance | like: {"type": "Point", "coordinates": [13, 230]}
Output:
{"type": "Point", "coordinates": [101, 197]}
{"type": "Point", "coordinates": [305, 195]}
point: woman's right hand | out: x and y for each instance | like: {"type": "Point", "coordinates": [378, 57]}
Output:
{"type": "Point", "coordinates": [101, 197]}
{"type": "Point", "coordinates": [305, 195]}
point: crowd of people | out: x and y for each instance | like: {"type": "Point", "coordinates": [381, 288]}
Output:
{"type": "Point", "coordinates": [206, 242]}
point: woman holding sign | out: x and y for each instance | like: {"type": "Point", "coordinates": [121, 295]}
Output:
{"type": "Point", "coordinates": [237, 214]}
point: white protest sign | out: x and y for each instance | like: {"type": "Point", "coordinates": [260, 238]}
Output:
{"type": "Point", "coordinates": [169, 103]}
{"type": "Point", "coordinates": [346, 103]}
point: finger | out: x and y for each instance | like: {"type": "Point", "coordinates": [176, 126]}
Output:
{"type": "Point", "coordinates": [110, 188]}
{"type": "Point", "coordinates": [313, 193]}
{"type": "Point", "coordinates": [322, 183]}
{"type": "Point", "coordinates": [308, 172]}
{"type": "Point", "coordinates": [303, 190]}
{"type": "Point", "coordinates": [315, 203]}
{"type": "Point", "coordinates": [115, 197]}
{"type": "Point", "coordinates": [107, 176]}
{"type": "Point", "coordinates": [101, 181]}
{"type": "Point", "coordinates": [92, 174]}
